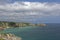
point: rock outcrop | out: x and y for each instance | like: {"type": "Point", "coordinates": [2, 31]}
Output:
{"type": "Point", "coordinates": [9, 37]}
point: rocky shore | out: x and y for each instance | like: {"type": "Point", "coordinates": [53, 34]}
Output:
{"type": "Point", "coordinates": [5, 24]}
{"type": "Point", "coordinates": [9, 37]}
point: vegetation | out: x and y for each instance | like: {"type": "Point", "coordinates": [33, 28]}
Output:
{"type": "Point", "coordinates": [1, 39]}
{"type": "Point", "coordinates": [4, 24]}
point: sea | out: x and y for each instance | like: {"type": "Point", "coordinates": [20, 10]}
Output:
{"type": "Point", "coordinates": [49, 32]}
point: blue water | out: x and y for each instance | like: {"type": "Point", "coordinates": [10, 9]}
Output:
{"type": "Point", "coordinates": [49, 32]}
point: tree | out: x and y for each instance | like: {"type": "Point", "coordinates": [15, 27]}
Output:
{"type": "Point", "coordinates": [12, 23]}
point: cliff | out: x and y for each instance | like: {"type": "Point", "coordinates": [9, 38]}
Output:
{"type": "Point", "coordinates": [9, 37]}
{"type": "Point", "coordinates": [4, 24]}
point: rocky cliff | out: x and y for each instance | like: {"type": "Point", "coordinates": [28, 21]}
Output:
{"type": "Point", "coordinates": [9, 37]}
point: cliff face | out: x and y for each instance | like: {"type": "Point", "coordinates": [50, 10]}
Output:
{"type": "Point", "coordinates": [9, 37]}
{"type": "Point", "coordinates": [41, 25]}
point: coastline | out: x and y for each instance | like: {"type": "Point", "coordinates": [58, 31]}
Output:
{"type": "Point", "coordinates": [4, 24]}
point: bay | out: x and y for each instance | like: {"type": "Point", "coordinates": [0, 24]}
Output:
{"type": "Point", "coordinates": [49, 32]}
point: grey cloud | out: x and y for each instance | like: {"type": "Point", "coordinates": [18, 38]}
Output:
{"type": "Point", "coordinates": [28, 10]}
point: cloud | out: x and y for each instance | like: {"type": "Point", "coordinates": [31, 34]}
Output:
{"type": "Point", "coordinates": [28, 10]}
{"type": "Point", "coordinates": [5, 1]}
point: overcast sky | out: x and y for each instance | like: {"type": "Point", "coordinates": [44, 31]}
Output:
{"type": "Point", "coordinates": [46, 11]}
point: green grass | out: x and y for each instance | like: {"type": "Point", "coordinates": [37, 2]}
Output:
{"type": "Point", "coordinates": [1, 39]}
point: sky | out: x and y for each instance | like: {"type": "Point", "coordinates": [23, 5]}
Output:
{"type": "Point", "coordinates": [34, 11]}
